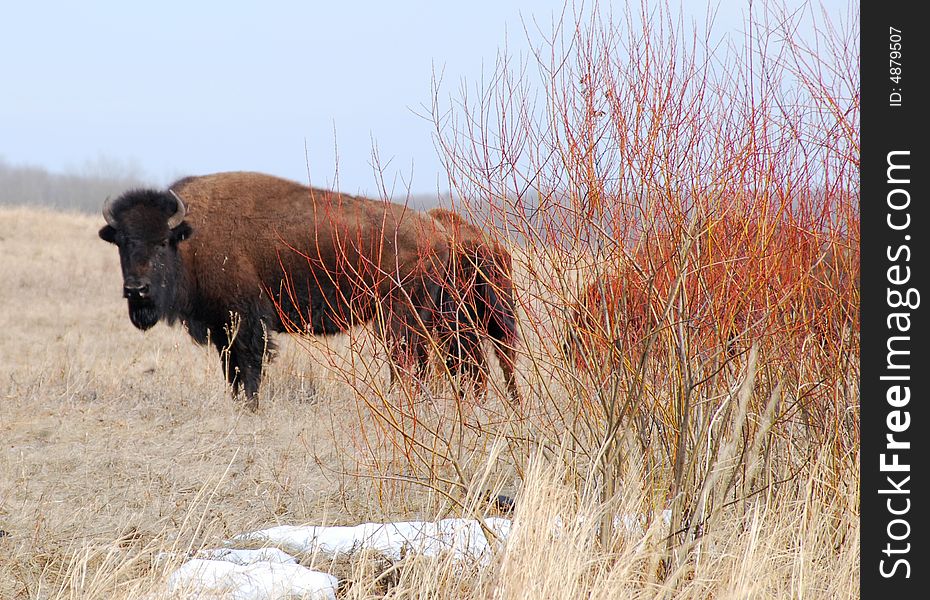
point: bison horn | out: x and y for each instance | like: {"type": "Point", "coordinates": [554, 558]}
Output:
{"type": "Point", "coordinates": [178, 216]}
{"type": "Point", "coordinates": [108, 213]}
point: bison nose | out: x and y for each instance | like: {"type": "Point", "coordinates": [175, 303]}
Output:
{"type": "Point", "coordinates": [136, 291]}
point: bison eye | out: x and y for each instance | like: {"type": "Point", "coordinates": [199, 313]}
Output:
{"type": "Point", "coordinates": [163, 243]}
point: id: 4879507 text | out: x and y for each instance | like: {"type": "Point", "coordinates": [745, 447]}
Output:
{"type": "Point", "coordinates": [894, 66]}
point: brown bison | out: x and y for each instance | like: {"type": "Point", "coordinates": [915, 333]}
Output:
{"type": "Point", "coordinates": [613, 313]}
{"type": "Point", "coordinates": [477, 302]}
{"type": "Point", "coordinates": [738, 283]}
{"type": "Point", "coordinates": [235, 256]}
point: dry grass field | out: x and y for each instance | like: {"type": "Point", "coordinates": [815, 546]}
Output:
{"type": "Point", "coordinates": [118, 443]}
{"type": "Point", "coordinates": [119, 446]}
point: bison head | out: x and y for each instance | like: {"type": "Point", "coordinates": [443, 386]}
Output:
{"type": "Point", "coordinates": [147, 226]}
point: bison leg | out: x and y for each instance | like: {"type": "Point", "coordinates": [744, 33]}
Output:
{"type": "Point", "coordinates": [241, 373]}
{"type": "Point", "coordinates": [242, 359]}
{"type": "Point", "coordinates": [408, 350]}
{"type": "Point", "coordinates": [229, 360]}
{"type": "Point", "coordinates": [406, 339]}
{"type": "Point", "coordinates": [465, 360]}
{"type": "Point", "coordinates": [507, 356]}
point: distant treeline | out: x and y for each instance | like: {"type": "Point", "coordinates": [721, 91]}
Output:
{"type": "Point", "coordinates": [35, 186]}
{"type": "Point", "coordinates": [85, 192]}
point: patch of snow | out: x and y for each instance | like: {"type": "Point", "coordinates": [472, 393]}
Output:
{"type": "Point", "coordinates": [270, 573]}
{"type": "Point", "coordinates": [208, 579]}
{"type": "Point", "coordinates": [463, 538]}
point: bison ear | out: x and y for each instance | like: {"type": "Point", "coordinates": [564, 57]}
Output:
{"type": "Point", "coordinates": [181, 232]}
{"type": "Point", "coordinates": [107, 234]}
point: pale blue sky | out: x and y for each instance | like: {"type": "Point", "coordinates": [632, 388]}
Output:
{"type": "Point", "coordinates": [186, 87]}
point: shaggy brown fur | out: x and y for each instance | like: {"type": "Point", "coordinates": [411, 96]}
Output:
{"type": "Point", "coordinates": [478, 302]}
{"type": "Point", "coordinates": [256, 254]}
{"type": "Point", "coordinates": [801, 285]}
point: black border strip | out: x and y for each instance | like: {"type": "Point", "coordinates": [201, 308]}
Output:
{"type": "Point", "coordinates": [894, 241]}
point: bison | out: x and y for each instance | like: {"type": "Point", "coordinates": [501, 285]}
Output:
{"type": "Point", "coordinates": [739, 283]}
{"type": "Point", "coordinates": [236, 256]}
{"type": "Point", "coordinates": [613, 313]}
{"type": "Point", "coordinates": [477, 302]}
